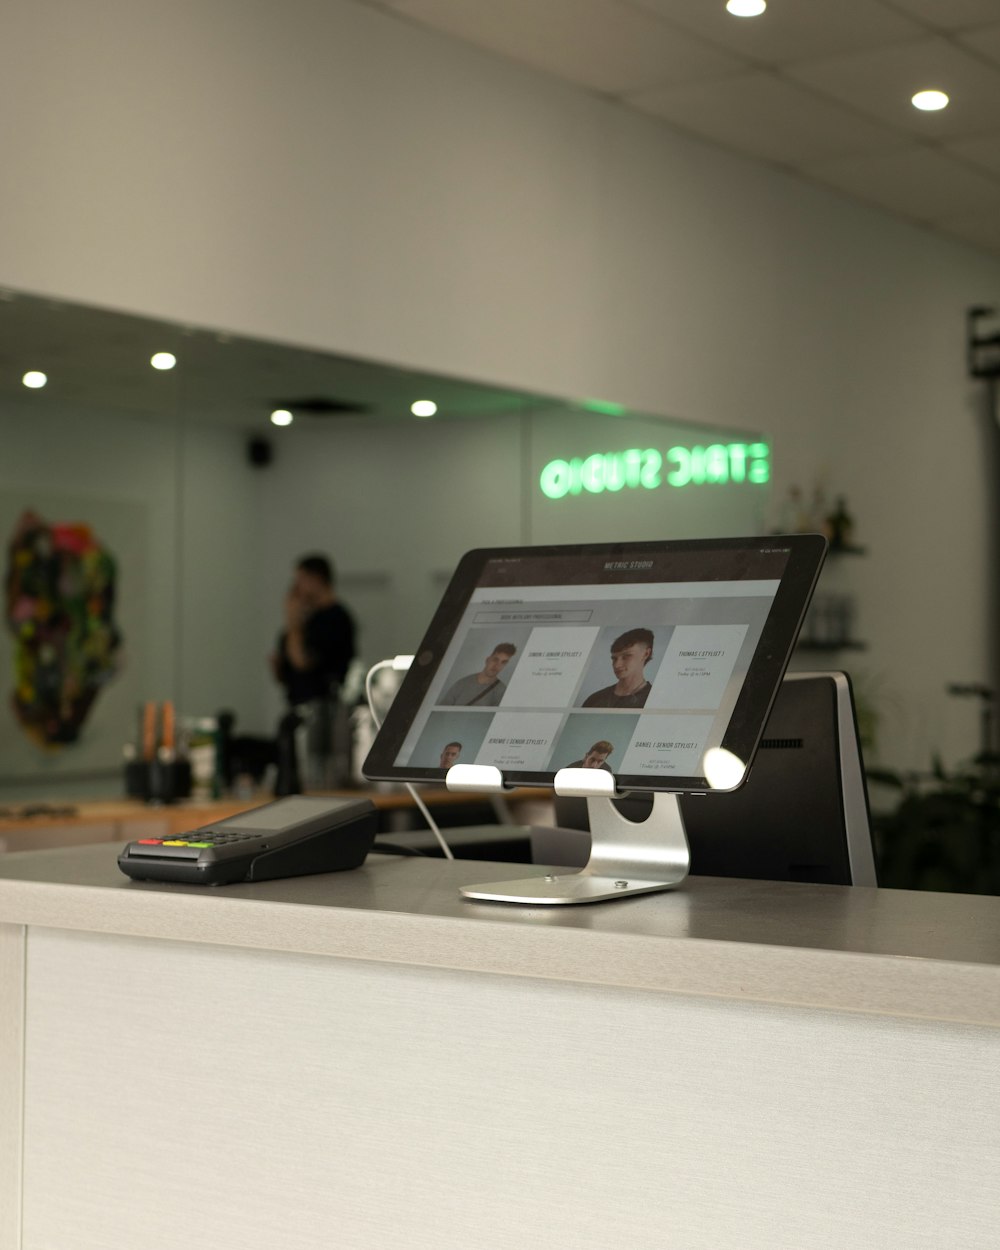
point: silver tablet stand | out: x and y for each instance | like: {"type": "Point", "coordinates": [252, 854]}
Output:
{"type": "Point", "coordinates": [626, 857]}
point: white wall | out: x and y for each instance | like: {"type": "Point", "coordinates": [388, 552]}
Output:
{"type": "Point", "coordinates": [323, 173]}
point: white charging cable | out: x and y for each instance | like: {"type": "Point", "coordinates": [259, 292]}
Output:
{"type": "Point", "coordinates": [400, 664]}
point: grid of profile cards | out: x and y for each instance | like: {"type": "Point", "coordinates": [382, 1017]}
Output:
{"type": "Point", "coordinates": [635, 679]}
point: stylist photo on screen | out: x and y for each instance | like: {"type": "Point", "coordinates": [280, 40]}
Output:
{"type": "Point", "coordinates": [630, 653]}
{"type": "Point", "coordinates": [482, 689]}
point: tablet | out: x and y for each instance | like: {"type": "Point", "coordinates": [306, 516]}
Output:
{"type": "Point", "coordinates": [636, 658]}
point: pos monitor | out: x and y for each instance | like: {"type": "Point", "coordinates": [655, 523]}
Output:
{"type": "Point", "coordinates": [600, 670]}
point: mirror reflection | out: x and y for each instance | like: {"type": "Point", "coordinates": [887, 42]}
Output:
{"type": "Point", "coordinates": [156, 514]}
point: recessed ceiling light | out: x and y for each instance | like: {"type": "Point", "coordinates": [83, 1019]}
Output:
{"type": "Point", "coordinates": [34, 379]}
{"type": "Point", "coordinates": [281, 416]}
{"type": "Point", "coordinates": [746, 8]}
{"type": "Point", "coordinates": [930, 101]}
{"type": "Point", "coordinates": [163, 360]}
{"type": "Point", "coordinates": [423, 408]}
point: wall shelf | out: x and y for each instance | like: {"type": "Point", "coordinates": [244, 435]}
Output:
{"type": "Point", "coordinates": [831, 616]}
{"type": "Point", "coordinates": [847, 645]}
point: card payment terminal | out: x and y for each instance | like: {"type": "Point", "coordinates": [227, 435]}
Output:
{"type": "Point", "coordinates": [290, 837]}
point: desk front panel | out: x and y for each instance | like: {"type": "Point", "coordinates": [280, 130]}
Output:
{"type": "Point", "coordinates": [182, 1095]}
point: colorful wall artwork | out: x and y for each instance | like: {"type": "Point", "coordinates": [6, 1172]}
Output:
{"type": "Point", "coordinates": [60, 589]}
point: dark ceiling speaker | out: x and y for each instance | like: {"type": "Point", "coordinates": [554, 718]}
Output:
{"type": "Point", "coordinates": [322, 406]}
{"type": "Point", "coordinates": [260, 452]}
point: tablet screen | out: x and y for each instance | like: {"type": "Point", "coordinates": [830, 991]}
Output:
{"type": "Point", "coordinates": [633, 658]}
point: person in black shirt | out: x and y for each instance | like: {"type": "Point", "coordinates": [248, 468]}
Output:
{"type": "Point", "coordinates": [317, 645]}
{"type": "Point", "coordinates": [314, 653]}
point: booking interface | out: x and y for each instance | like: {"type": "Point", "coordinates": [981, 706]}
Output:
{"type": "Point", "coordinates": [634, 667]}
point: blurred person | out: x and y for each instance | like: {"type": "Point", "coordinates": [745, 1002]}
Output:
{"type": "Point", "coordinates": [316, 646]}
{"type": "Point", "coordinates": [313, 655]}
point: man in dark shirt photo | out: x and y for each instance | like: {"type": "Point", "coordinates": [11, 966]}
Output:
{"type": "Point", "coordinates": [630, 653]}
{"type": "Point", "coordinates": [596, 757]}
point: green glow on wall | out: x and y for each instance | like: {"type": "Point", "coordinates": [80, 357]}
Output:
{"type": "Point", "coordinates": [603, 406]}
{"type": "Point", "coordinates": [716, 464]}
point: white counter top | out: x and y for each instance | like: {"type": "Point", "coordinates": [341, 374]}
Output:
{"type": "Point", "coordinates": [896, 953]}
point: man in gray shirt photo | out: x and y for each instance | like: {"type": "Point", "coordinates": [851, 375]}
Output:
{"type": "Point", "coordinates": [482, 689]}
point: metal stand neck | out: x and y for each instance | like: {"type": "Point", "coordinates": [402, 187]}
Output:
{"type": "Point", "coordinates": [626, 857]}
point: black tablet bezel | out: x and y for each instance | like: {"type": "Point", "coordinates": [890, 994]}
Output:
{"type": "Point", "coordinates": [806, 553]}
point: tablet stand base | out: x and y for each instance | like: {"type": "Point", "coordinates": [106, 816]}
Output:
{"type": "Point", "coordinates": [626, 857]}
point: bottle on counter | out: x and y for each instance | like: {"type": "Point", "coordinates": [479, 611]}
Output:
{"type": "Point", "coordinates": [841, 526]}
{"type": "Point", "coordinates": [203, 752]}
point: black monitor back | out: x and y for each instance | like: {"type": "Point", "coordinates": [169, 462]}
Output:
{"type": "Point", "coordinates": [802, 814]}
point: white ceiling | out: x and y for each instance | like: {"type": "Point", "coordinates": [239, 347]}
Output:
{"type": "Point", "coordinates": [819, 87]}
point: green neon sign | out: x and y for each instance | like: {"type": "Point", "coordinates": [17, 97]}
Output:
{"type": "Point", "coordinates": [648, 469]}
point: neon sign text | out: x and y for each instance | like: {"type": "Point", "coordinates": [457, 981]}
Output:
{"type": "Point", "coordinates": [647, 469]}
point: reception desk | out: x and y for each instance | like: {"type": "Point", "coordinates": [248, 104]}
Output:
{"type": "Point", "coordinates": [365, 1060]}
